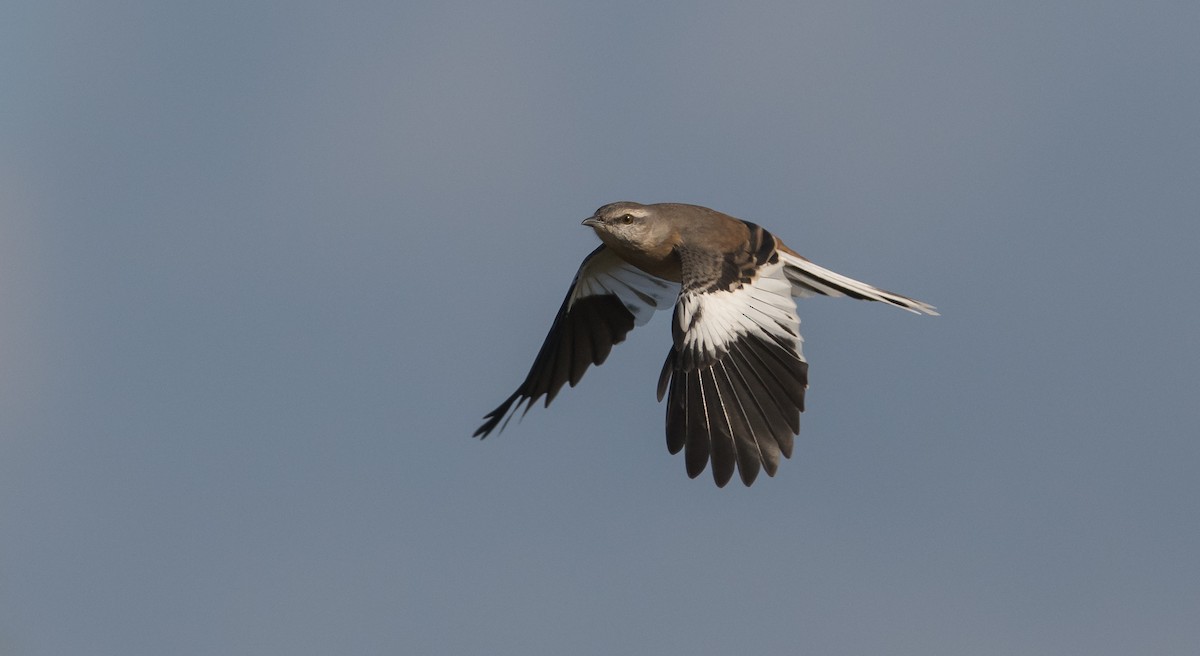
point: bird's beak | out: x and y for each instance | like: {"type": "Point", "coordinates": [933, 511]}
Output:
{"type": "Point", "coordinates": [591, 222]}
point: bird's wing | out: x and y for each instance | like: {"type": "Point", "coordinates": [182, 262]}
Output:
{"type": "Point", "coordinates": [736, 373]}
{"type": "Point", "coordinates": [809, 279]}
{"type": "Point", "coordinates": [606, 300]}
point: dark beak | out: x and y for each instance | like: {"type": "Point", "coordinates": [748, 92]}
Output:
{"type": "Point", "coordinates": [591, 222]}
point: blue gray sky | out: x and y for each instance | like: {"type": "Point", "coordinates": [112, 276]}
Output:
{"type": "Point", "coordinates": [264, 266]}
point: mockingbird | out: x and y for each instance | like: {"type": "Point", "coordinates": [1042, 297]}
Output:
{"type": "Point", "coordinates": [735, 376]}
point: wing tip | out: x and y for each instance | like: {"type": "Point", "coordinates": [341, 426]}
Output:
{"type": "Point", "coordinates": [493, 418]}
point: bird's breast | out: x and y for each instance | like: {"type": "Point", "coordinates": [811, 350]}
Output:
{"type": "Point", "coordinates": [661, 261]}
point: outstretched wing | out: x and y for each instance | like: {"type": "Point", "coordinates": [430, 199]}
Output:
{"type": "Point", "coordinates": [736, 373]}
{"type": "Point", "coordinates": [607, 299]}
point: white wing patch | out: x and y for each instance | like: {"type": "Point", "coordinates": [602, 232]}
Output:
{"type": "Point", "coordinates": [711, 322]}
{"type": "Point", "coordinates": [641, 293]}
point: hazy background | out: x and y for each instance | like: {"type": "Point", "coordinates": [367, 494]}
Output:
{"type": "Point", "coordinates": [264, 266]}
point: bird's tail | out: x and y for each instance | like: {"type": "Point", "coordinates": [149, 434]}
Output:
{"type": "Point", "coordinates": [809, 279]}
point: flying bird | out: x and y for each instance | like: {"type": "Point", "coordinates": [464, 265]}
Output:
{"type": "Point", "coordinates": [735, 376]}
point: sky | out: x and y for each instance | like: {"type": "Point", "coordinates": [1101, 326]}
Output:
{"type": "Point", "coordinates": [265, 266]}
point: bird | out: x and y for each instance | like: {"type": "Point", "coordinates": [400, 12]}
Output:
{"type": "Point", "coordinates": [735, 376]}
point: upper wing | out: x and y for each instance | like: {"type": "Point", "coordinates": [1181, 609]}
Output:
{"type": "Point", "coordinates": [607, 299]}
{"type": "Point", "coordinates": [737, 373]}
{"type": "Point", "coordinates": [809, 279]}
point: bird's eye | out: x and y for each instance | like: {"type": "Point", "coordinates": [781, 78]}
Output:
{"type": "Point", "coordinates": [627, 219]}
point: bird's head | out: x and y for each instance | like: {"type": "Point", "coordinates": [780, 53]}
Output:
{"type": "Point", "coordinates": [628, 225]}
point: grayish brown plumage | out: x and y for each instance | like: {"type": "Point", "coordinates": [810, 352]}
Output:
{"type": "Point", "coordinates": [735, 376]}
